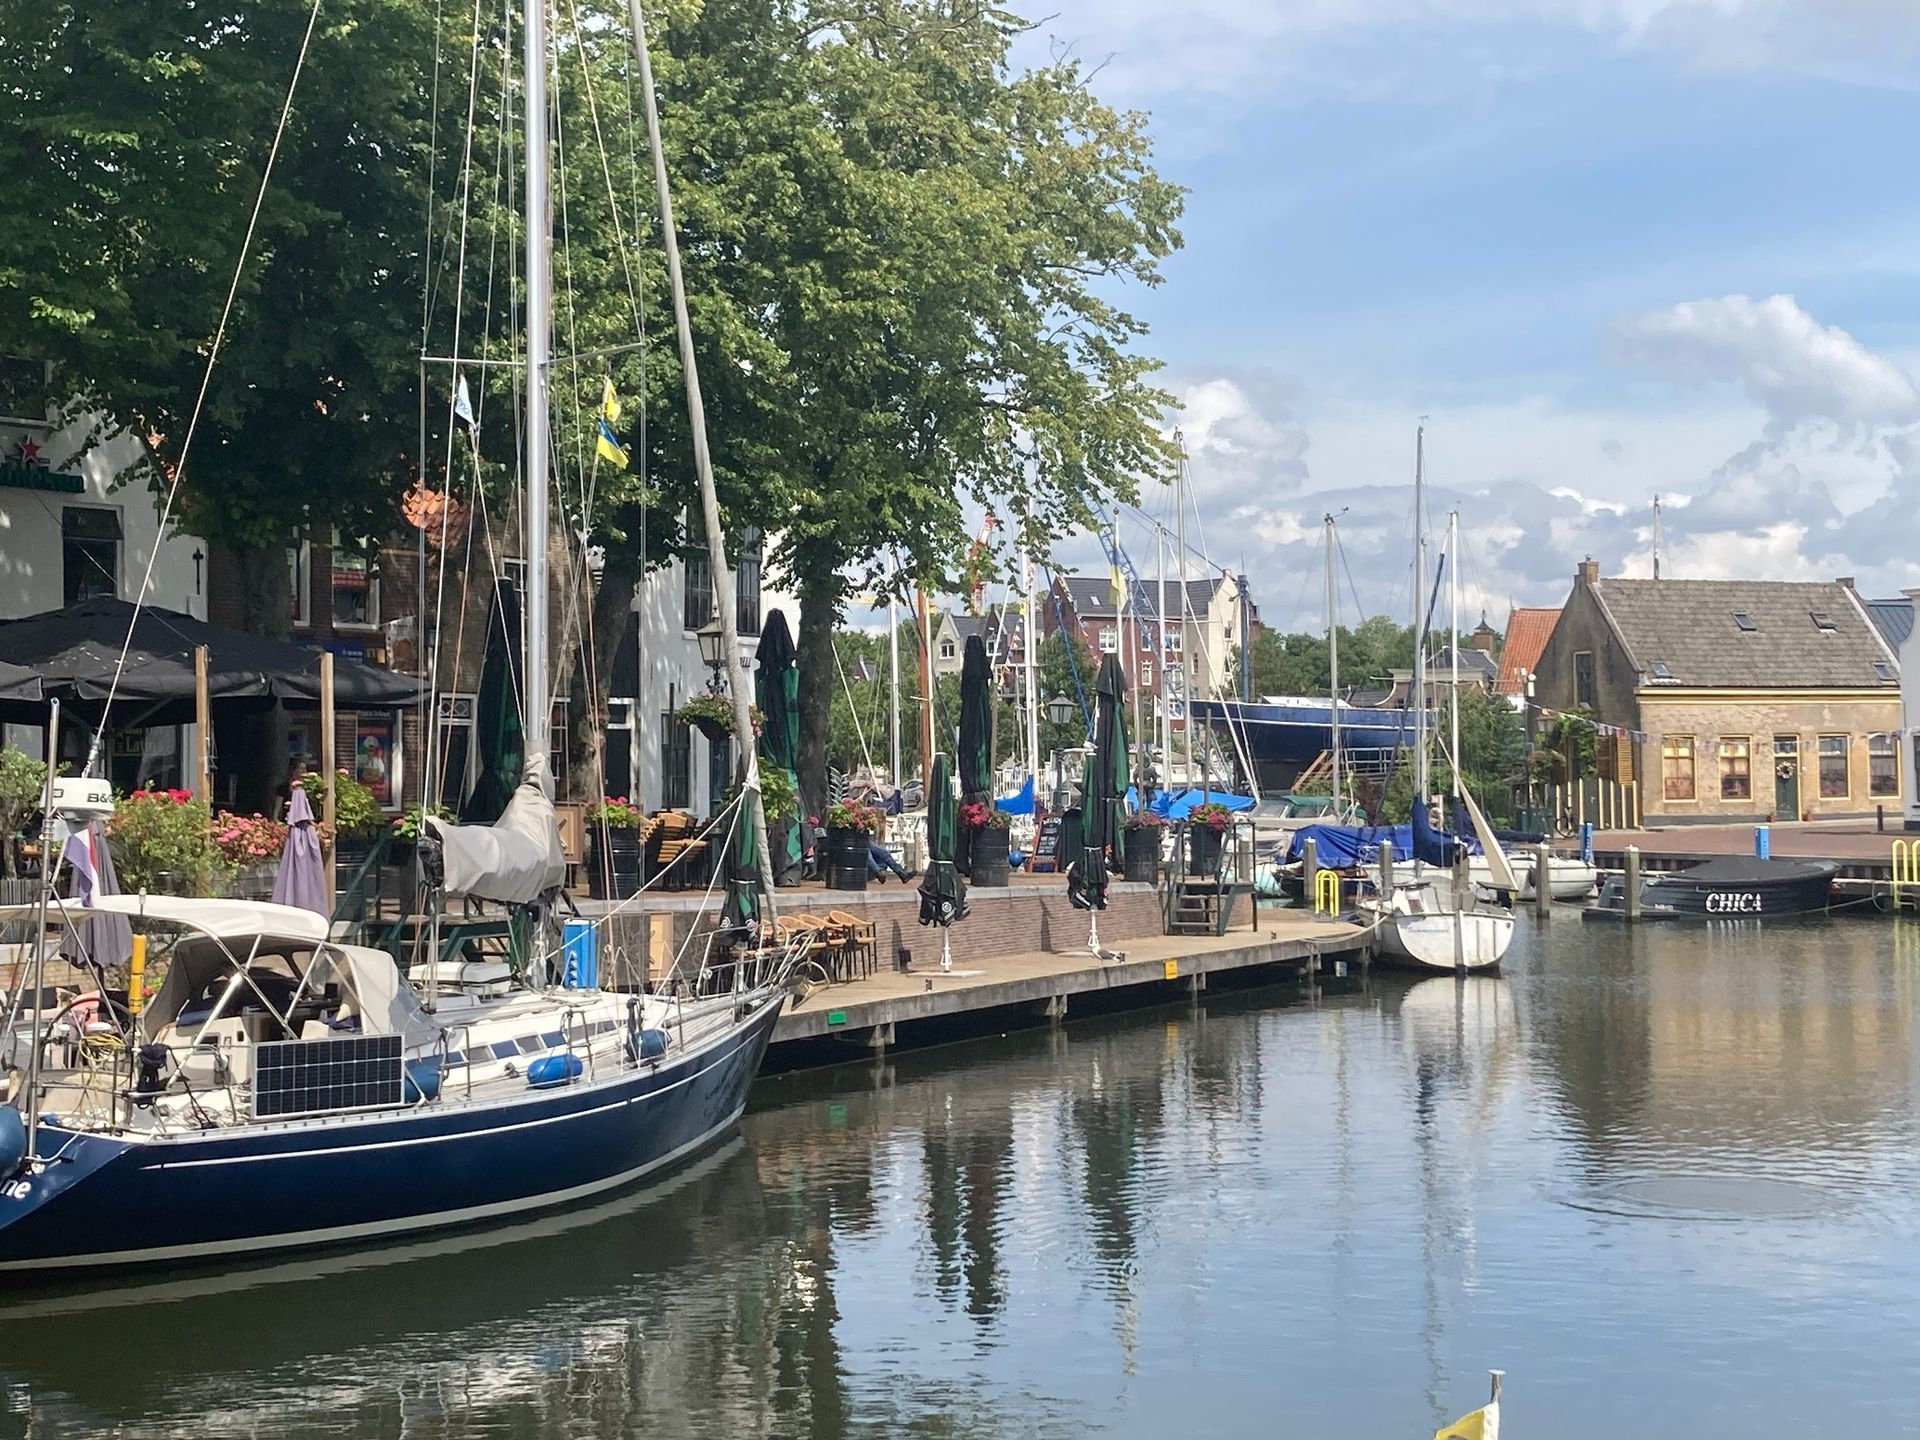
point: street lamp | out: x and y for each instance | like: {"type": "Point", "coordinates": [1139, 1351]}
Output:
{"type": "Point", "coordinates": [713, 650]}
{"type": "Point", "coordinates": [1059, 710]}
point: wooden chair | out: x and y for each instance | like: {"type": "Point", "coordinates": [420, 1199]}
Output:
{"type": "Point", "coordinates": [863, 939]}
{"type": "Point", "coordinates": [834, 940]}
{"type": "Point", "coordinates": [807, 933]}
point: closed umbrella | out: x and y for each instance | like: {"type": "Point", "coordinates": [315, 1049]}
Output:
{"type": "Point", "coordinates": [976, 734]}
{"type": "Point", "coordinates": [743, 871]}
{"type": "Point", "coordinates": [498, 730]}
{"type": "Point", "coordinates": [776, 690]}
{"type": "Point", "coordinates": [943, 894]}
{"type": "Point", "coordinates": [301, 880]}
{"type": "Point", "coordinates": [1101, 796]}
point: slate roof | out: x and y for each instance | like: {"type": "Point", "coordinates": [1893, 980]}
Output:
{"type": "Point", "coordinates": [1688, 627]}
{"type": "Point", "coordinates": [1474, 665]}
{"type": "Point", "coordinates": [1892, 618]}
{"type": "Point", "coordinates": [1092, 595]}
{"type": "Point", "coordinates": [1528, 630]}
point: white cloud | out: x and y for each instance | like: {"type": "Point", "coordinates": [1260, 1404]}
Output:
{"type": "Point", "coordinates": [1791, 365]}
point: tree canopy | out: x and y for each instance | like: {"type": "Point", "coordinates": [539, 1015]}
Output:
{"type": "Point", "coordinates": [1300, 664]}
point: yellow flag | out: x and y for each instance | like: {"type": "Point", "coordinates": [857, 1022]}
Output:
{"type": "Point", "coordinates": [606, 444]}
{"type": "Point", "coordinates": [609, 404]}
{"type": "Point", "coordinates": [1482, 1424]}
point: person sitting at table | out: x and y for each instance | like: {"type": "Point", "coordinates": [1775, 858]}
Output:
{"type": "Point", "coordinates": [881, 859]}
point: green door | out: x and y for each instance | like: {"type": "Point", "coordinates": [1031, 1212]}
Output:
{"type": "Point", "coordinates": [1786, 777]}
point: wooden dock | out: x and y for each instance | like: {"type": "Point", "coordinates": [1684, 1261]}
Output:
{"type": "Point", "coordinates": [924, 1005]}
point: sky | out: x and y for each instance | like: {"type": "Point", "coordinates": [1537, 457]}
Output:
{"type": "Point", "coordinates": [1609, 249]}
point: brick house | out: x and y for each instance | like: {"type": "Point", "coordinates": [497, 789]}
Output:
{"type": "Point", "coordinates": [1730, 700]}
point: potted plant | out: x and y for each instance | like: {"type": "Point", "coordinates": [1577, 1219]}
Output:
{"type": "Point", "coordinates": [850, 826]}
{"type": "Point", "coordinates": [777, 794]}
{"type": "Point", "coordinates": [162, 841]}
{"type": "Point", "coordinates": [1206, 831]}
{"type": "Point", "coordinates": [250, 847]}
{"type": "Point", "coordinates": [712, 716]}
{"type": "Point", "coordinates": [1143, 833]}
{"type": "Point", "coordinates": [22, 787]}
{"type": "Point", "coordinates": [986, 827]}
{"type": "Point", "coordinates": [407, 826]}
{"type": "Point", "coordinates": [357, 818]}
{"type": "Point", "coordinates": [614, 857]}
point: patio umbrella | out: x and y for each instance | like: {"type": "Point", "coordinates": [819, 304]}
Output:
{"type": "Point", "coordinates": [943, 894]}
{"type": "Point", "coordinates": [1101, 795]}
{"type": "Point", "coordinates": [776, 690]}
{"type": "Point", "coordinates": [743, 872]}
{"type": "Point", "coordinates": [497, 727]}
{"type": "Point", "coordinates": [301, 879]}
{"type": "Point", "coordinates": [100, 939]}
{"type": "Point", "coordinates": [19, 683]}
{"type": "Point", "coordinates": [976, 733]}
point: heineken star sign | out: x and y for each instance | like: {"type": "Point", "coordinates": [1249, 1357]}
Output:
{"type": "Point", "coordinates": [25, 470]}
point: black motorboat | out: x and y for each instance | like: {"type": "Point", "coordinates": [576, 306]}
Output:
{"type": "Point", "coordinates": [1734, 888]}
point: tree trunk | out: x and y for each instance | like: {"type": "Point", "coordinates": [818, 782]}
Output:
{"type": "Point", "coordinates": [819, 584]}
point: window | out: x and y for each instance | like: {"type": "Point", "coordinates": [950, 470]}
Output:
{"type": "Point", "coordinates": [355, 585]}
{"type": "Point", "coordinates": [514, 572]}
{"type": "Point", "coordinates": [1109, 640]}
{"type": "Point", "coordinates": [1736, 768]}
{"type": "Point", "coordinates": [1146, 674]}
{"type": "Point", "coordinates": [1660, 670]}
{"type": "Point", "coordinates": [719, 770]}
{"type": "Point", "coordinates": [1676, 767]}
{"type": "Point", "coordinates": [1173, 641]}
{"type": "Point", "coordinates": [89, 552]}
{"type": "Point", "coordinates": [1583, 689]}
{"type": "Point", "coordinates": [1145, 637]}
{"type": "Point", "coordinates": [946, 647]}
{"type": "Point", "coordinates": [1883, 672]}
{"type": "Point", "coordinates": [454, 751]}
{"type": "Point", "coordinates": [746, 583]}
{"type": "Point", "coordinates": [1833, 767]}
{"type": "Point", "coordinates": [697, 602]}
{"type": "Point", "coordinates": [676, 755]}
{"type": "Point", "coordinates": [1883, 766]}
{"type": "Point", "coordinates": [1821, 620]}
{"type": "Point", "coordinates": [300, 579]}
{"type": "Point", "coordinates": [1745, 621]}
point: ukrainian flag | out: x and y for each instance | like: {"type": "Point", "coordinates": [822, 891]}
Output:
{"type": "Point", "coordinates": [606, 444]}
{"type": "Point", "coordinates": [1482, 1424]}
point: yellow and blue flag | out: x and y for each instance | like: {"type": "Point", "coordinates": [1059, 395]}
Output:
{"type": "Point", "coordinates": [606, 444]}
{"type": "Point", "coordinates": [1482, 1424]}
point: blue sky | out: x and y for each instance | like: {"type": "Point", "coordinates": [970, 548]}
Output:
{"type": "Point", "coordinates": [1610, 248]}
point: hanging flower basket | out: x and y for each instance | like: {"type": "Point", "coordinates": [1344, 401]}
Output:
{"type": "Point", "coordinates": [712, 716]}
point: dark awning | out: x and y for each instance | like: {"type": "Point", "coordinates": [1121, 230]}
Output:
{"type": "Point", "coordinates": [74, 653]}
{"type": "Point", "coordinates": [18, 684]}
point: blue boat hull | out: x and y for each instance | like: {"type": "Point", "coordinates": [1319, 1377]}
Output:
{"type": "Point", "coordinates": [215, 1194]}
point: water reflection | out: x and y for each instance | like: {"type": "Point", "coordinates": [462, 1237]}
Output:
{"type": "Point", "coordinates": [1647, 1166]}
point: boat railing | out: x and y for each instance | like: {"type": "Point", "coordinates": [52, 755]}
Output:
{"type": "Point", "coordinates": [572, 1018]}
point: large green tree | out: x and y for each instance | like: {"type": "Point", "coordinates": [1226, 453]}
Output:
{"type": "Point", "coordinates": [1300, 664]}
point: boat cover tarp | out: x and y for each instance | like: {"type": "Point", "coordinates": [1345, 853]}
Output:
{"type": "Point", "coordinates": [1178, 804]}
{"type": "Point", "coordinates": [1020, 803]}
{"type": "Point", "coordinates": [1747, 870]}
{"type": "Point", "coordinates": [515, 860]}
{"type": "Point", "coordinates": [1431, 846]}
{"type": "Point", "coordinates": [1340, 846]}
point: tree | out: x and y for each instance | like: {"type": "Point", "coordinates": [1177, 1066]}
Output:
{"type": "Point", "coordinates": [1300, 664]}
{"type": "Point", "coordinates": [1492, 749]}
{"type": "Point", "coordinates": [1062, 657]}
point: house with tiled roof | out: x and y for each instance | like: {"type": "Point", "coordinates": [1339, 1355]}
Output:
{"type": "Point", "coordinates": [1731, 699]}
{"type": "Point", "coordinates": [1529, 627]}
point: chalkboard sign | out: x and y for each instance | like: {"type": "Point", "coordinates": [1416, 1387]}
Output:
{"type": "Point", "coordinates": [1046, 846]}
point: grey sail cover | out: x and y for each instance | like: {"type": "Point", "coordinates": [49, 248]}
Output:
{"type": "Point", "coordinates": [515, 860]}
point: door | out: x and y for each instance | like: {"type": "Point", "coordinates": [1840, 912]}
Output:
{"type": "Point", "coordinates": [1786, 777]}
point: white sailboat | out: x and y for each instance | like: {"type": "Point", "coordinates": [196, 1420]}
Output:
{"type": "Point", "coordinates": [1434, 922]}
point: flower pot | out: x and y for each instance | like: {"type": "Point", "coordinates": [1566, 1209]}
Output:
{"type": "Point", "coordinates": [846, 859]}
{"type": "Point", "coordinates": [1143, 855]}
{"type": "Point", "coordinates": [712, 729]}
{"type": "Point", "coordinates": [614, 861]}
{"type": "Point", "coordinates": [991, 860]}
{"type": "Point", "coordinates": [1203, 850]}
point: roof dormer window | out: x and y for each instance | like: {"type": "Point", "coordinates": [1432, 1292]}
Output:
{"type": "Point", "coordinates": [1660, 670]}
{"type": "Point", "coordinates": [1822, 621]}
{"type": "Point", "coordinates": [1744, 621]}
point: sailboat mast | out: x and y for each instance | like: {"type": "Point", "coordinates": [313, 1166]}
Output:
{"type": "Point", "coordinates": [1027, 664]}
{"type": "Point", "coordinates": [1453, 645]}
{"type": "Point", "coordinates": [539, 706]}
{"type": "Point", "coordinates": [1419, 604]}
{"type": "Point", "coordinates": [1333, 670]}
{"type": "Point", "coordinates": [723, 590]}
{"type": "Point", "coordinates": [1186, 659]}
{"type": "Point", "coordinates": [893, 692]}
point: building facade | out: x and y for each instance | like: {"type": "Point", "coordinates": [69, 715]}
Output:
{"type": "Point", "coordinates": [1730, 700]}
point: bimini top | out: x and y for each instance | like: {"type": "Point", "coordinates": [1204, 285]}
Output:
{"type": "Point", "coordinates": [222, 919]}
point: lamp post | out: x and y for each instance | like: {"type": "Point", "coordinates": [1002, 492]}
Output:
{"type": "Point", "coordinates": [1059, 712]}
{"type": "Point", "coordinates": [713, 650]}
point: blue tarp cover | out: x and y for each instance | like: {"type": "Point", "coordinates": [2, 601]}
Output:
{"type": "Point", "coordinates": [1020, 804]}
{"type": "Point", "coordinates": [1178, 804]}
{"type": "Point", "coordinates": [1339, 846]}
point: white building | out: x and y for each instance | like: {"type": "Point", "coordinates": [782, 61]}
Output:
{"type": "Point", "coordinates": [657, 761]}
{"type": "Point", "coordinates": [65, 533]}
{"type": "Point", "coordinates": [1909, 651]}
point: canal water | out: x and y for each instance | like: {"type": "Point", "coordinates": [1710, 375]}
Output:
{"type": "Point", "coordinates": [1668, 1179]}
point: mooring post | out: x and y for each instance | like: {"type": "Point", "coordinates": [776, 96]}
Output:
{"type": "Point", "coordinates": [1542, 893]}
{"type": "Point", "coordinates": [1630, 883]}
{"type": "Point", "coordinates": [1386, 868]}
{"type": "Point", "coordinates": [1310, 872]}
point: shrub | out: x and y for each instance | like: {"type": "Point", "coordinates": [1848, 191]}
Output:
{"type": "Point", "coordinates": [23, 783]}
{"type": "Point", "coordinates": [778, 794]}
{"type": "Point", "coordinates": [1145, 820]}
{"type": "Point", "coordinates": [162, 842]}
{"type": "Point", "coordinates": [979, 815]}
{"type": "Point", "coordinates": [244, 840]}
{"type": "Point", "coordinates": [1213, 816]}
{"type": "Point", "coordinates": [355, 811]}
{"type": "Point", "coordinates": [614, 811]}
{"type": "Point", "coordinates": [408, 824]}
{"type": "Point", "coordinates": [851, 815]}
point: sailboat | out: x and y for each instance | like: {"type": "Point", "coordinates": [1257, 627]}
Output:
{"type": "Point", "coordinates": [283, 1089]}
{"type": "Point", "coordinates": [1433, 921]}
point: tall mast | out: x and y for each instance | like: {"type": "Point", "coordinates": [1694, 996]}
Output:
{"type": "Point", "coordinates": [539, 707]}
{"type": "Point", "coordinates": [1333, 668]}
{"type": "Point", "coordinates": [1027, 664]}
{"type": "Point", "coordinates": [1163, 722]}
{"type": "Point", "coordinates": [1186, 656]}
{"type": "Point", "coordinates": [1419, 608]}
{"type": "Point", "coordinates": [893, 692]}
{"type": "Point", "coordinates": [1453, 644]}
{"type": "Point", "coordinates": [723, 589]}
{"type": "Point", "coordinates": [1656, 537]}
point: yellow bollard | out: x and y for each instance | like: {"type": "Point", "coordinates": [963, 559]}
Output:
{"type": "Point", "coordinates": [136, 973]}
{"type": "Point", "coordinates": [1326, 892]}
{"type": "Point", "coordinates": [1906, 868]}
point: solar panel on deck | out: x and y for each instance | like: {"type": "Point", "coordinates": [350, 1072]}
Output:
{"type": "Point", "coordinates": [313, 1077]}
